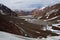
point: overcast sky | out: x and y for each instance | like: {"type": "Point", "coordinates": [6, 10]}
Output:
{"type": "Point", "coordinates": [27, 4]}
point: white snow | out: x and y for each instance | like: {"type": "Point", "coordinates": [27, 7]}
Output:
{"type": "Point", "coordinates": [50, 12]}
{"type": "Point", "coordinates": [56, 24]}
{"type": "Point", "coordinates": [8, 36]}
{"type": "Point", "coordinates": [53, 18]}
{"type": "Point", "coordinates": [55, 31]}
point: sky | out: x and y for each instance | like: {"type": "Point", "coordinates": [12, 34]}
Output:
{"type": "Point", "coordinates": [27, 4]}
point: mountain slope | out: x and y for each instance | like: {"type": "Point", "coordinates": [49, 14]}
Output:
{"type": "Point", "coordinates": [4, 10]}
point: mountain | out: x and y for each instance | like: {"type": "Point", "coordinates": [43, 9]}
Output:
{"type": "Point", "coordinates": [51, 11]}
{"type": "Point", "coordinates": [21, 27]}
{"type": "Point", "coordinates": [22, 13]}
{"type": "Point", "coordinates": [47, 12]}
{"type": "Point", "coordinates": [4, 10]}
{"type": "Point", "coordinates": [36, 13]}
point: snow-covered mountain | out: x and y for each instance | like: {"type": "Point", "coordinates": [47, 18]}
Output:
{"type": "Point", "coordinates": [36, 27]}
{"type": "Point", "coordinates": [47, 12]}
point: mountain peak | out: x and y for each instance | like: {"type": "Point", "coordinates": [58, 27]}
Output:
{"type": "Point", "coordinates": [5, 10]}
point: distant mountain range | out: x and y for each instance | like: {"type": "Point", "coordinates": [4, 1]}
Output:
{"type": "Point", "coordinates": [21, 27]}
{"type": "Point", "coordinates": [36, 12]}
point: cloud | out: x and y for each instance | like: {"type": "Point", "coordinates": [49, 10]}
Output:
{"type": "Point", "coordinates": [36, 5]}
{"type": "Point", "coordinates": [27, 4]}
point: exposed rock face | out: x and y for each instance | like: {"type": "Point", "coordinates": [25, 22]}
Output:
{"type": "Point", "coordinates": [37, 13]}
{"type": "Point", "coordinates": [21, 27]}
{"type": "Point", "coordinates": [20, 13]}
{"type": "Point", "coordinates": [55, 28]}
{"type": "Point", "coordinates": [52, 11]}
{"type": "Point", "coordinates": [6, 11]}
{"type": "Point", "coordinates": [47, 12]}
